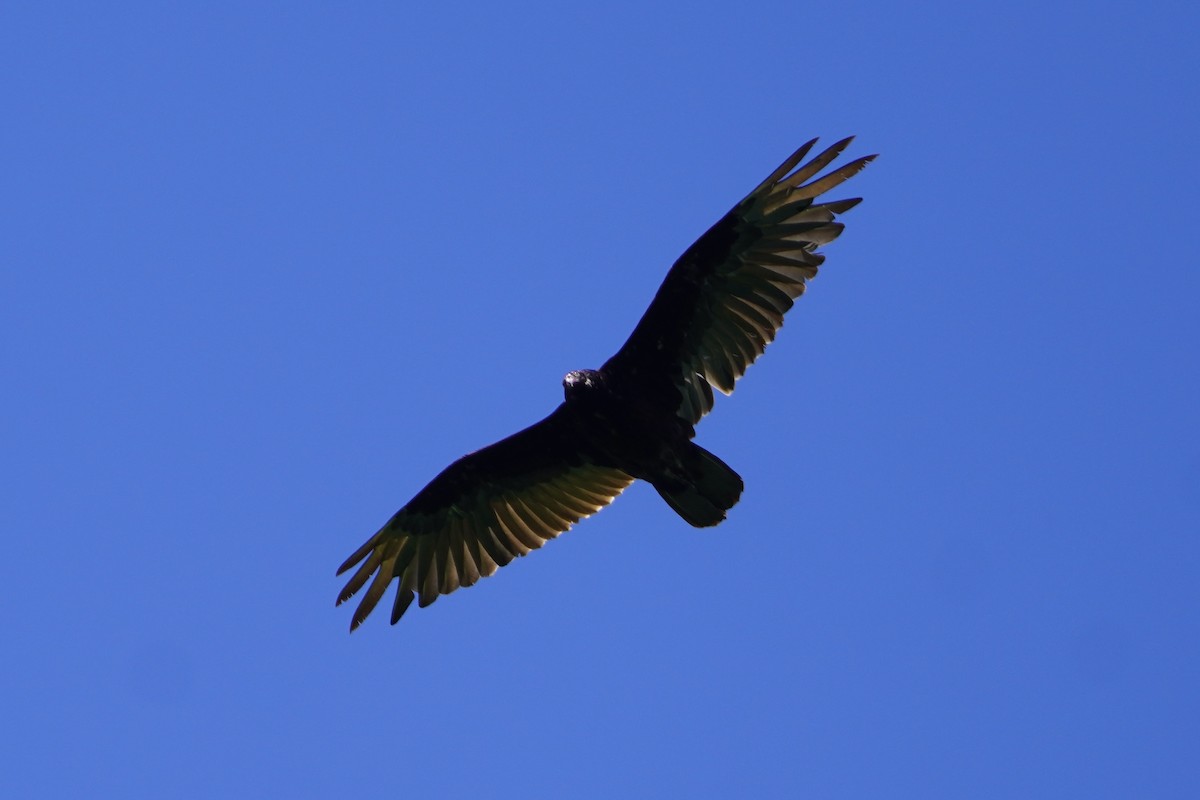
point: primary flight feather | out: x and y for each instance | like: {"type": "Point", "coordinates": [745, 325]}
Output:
{"type": "Point", "coordinates": [721, 304]}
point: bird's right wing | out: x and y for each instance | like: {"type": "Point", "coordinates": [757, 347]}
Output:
{"type": "Point", "coordinates": [480, 513]}
{"type": "Point", "coordinates": [724, 299]}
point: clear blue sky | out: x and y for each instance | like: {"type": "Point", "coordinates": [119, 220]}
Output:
{"type": "Point", "coordinates": [267, 268]}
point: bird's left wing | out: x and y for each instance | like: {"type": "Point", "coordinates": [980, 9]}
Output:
{"type": "Point", "coordinates": [480, 513]}
{"type": "Point", "coordinates": [723, 301]}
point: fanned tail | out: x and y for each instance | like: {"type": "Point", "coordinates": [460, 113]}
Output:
{"type": "Point", "coordinates": [710, 489]}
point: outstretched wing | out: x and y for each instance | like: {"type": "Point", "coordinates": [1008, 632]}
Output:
{"type": "Point", "coordinates": [724, 299]}
{"type": "Point", "coordinates": [480, 513]}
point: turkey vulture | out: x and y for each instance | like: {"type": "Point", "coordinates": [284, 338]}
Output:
{"type": "Point", "coordinates": [720, 306]}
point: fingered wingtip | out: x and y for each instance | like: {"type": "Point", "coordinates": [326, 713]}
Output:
{"type": "Point", "coordinates": [360, 616]}
{"type": "Point", "coordinates": [859, 164]}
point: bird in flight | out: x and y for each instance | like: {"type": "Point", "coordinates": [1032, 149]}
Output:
{"type": "Point", "coordinates": [719, 307]}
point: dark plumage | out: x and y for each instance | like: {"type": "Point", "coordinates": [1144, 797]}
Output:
{"type": "Point", "coordinates": [720, 306]}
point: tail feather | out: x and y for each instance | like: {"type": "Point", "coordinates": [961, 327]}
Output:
{"type": "Point", "coordinates": [709, 489]}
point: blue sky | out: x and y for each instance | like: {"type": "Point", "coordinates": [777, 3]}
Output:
{"type": "Point", "coordinates": [269, 267]}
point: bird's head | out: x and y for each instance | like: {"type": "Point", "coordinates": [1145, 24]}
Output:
{"type": "Point", "coordinates": [579, 382]}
